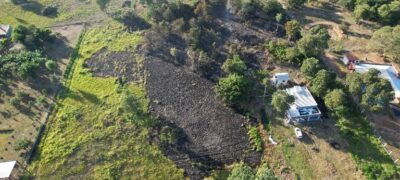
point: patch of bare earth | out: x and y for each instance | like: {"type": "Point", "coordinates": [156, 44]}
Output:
{"type": "Point", "coordinates": [212, 134]}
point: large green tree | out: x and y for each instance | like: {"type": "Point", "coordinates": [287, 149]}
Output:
{"type": "Point", "coordinates": [234, 65]}
{"type": "Point", "coordinates": [233, 89]}
{"type": "Point", "coordinates": [322, 82]}
{"type": "Point", "coordinates": [377, 96]}
{"type": "Point", "coordinates": [281, 101]}
{"type": "Point", "coordinates": [354, 83]}
{"type": "Point", "coordinates": [387, 42]}
{"type": "Point", "coordinates": [310, 67]}
{"type": "Point", "coordinates": [242, 172]}
{"type": "Point", "coordinates": [292, 28]}
{"type": "Point", "coordinates": [335, 99]}
{"type": "Point", "coordinates": [314, 42]}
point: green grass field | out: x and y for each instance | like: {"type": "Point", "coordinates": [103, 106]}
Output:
{"type": "Point", "coordinates": [88, 136]}
{"type": "Point", "coordinates": [31, 13]}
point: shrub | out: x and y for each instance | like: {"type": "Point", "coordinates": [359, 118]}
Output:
{"type": "Point", "coordinates": [50, 65]}
{"type": "Point", "coordinates": [234, 65]}
{"type": "Point", "coordinates": [281, 101]}
{"type": "Point", "coordinates": [50, 11]}
{"type": "Point", "coordinates": [255, 139]}
{"type": "Point", "coordinates": [241, 172]}
{"type": "Point", "coordinates": [21, 144]}
{"type": "Point", "coordinates": [14, 101]}
{"type": "Point", "coordinates": [233, 89]}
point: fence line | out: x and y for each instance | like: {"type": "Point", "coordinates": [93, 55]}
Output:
{"type": "Point", "coordinates": [384, 145]}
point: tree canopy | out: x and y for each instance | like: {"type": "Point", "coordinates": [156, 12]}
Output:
{"type": "Point", "coordinates": [234, 65]}
{"type": "Point", "coordinates": [335, 99]}
{"type": "Point", "coordinates": [387, 42]}
{"type": "Point", "coordinates": [292, 29]}
{"type": "Point", "coordinates": [233, 89]}
{"type": "Point", "coordinates": [22, 64]}
{"type": "Point", "coordinates": [310, 67]}
{"type": "Point", "coordinates": [241, 172]}
{"type": "Point", "coordinates": [281, 101]}
{"type": "Point", "coordinates": [314, 42]}
{"type": "Point", "coordinates": [322, 82]}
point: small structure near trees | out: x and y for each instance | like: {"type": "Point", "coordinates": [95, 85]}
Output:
{"type": "Point", "coordinates": [305, 108]}
{"type": "Point", "coordinates": [5, 31]}
{"type": "Point", "coordinates": [280, 79]}
{"type": "Point", "coordinates": [6, 169]}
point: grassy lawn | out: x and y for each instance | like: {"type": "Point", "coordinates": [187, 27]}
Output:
{"type": "Point", "coordinates": [87, 135]}
{"type": "Point", "coordinates": [311, 157]}
{"type": "Point", "coordinates": [30, 13]}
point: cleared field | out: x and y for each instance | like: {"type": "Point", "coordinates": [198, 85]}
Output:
{"type": "Point", "coordinates": [311, 157]}
{"type": "Point", "coordinates": [87, 136]}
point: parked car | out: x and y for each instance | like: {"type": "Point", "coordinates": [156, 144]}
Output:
{"type": "Point", "coordinates": [298, 133]}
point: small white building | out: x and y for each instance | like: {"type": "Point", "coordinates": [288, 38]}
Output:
{"type": "Point", "coordinates": [5, 31]}
{"type": "Point", "coordinates": [305, 108]}
{"type": "Point", "coordinates": [387, 72]}
{"type": "Point", "coordinates": [280, 79]}
{"type": "Point", "coordinates": [6, 169]}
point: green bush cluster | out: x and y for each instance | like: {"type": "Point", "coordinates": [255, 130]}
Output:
{"type": "Point", "coordinates": [242, 171]}
{"type": "Point", "coordinates": [255, 139]}
{"type": "Point", "coordinates": [23, 64]}
{"type": "Point", "coordinates": [32, 37]}
{"type": "Point", "coordinates": [383, 11]}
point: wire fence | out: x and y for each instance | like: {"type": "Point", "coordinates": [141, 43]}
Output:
{"type": "Point", "coordinates": [385, 145]}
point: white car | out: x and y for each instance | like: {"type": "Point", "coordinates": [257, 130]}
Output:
{"type": "Point", "coordinates": [298, 133]}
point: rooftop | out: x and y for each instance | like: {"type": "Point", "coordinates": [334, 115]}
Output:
{"type": "Point", "coordinates": [302, 96]}
{"type": "Point", "coordinates": [387, 71]}
{"type": "Point", "coordinates": [4, 29]}
{"type": "Point", "coordinates": [304, 103]}
{"type": "Point", "coordinates": [6, 169]}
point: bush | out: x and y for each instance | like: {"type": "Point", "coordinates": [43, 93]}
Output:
{"type": "Point", "coordinates": [50, 11]}
{"type": "Point", "coordinates": [14, 101]}
{"type": "Point", "coordinates": [255, 139]}
{"type": "Point", "coordinates": [310, 67]}
{"type": "Point", "coordinates": [234, 65]}
{"type": "Point", "coordinates": [51, 65]}
{"type": "Point", "coordinates": [273, 7]}
{"type": "Point", "coordinates": [21, 144]}
{"type": "Point", "coordinates": [241, 172]}
{"type": "Point", "coordinates": [233, 89]}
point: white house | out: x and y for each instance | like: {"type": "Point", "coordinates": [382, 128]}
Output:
{"type": "Point", "coordinates": [387, 72]}
{"type": "Point", "coordinates": [5, 31]}
{"type": "Point", "coordinates": [280, 79]}
{"type": "Point", "coordinates": [304, 108]}
{"type": "Point", "coordinates": [6, 169]}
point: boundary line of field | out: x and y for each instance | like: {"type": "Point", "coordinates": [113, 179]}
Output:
{"type": "Point", "coordinates": [53, 108]}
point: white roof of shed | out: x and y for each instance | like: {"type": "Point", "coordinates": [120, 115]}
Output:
{"type": "Point", "coordinates": [281, 76]}
{"type": "Point", "coordinates": [4, 29]}
{"type": "Point", "coordinates": [302, 96]}
{"type": "Point", "coordinates": [387, 71]}
{"type": "Point", "coordinates": [6, 168]}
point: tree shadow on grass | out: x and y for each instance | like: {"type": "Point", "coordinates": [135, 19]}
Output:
{"type": "Point", "coordinates": [32, 6]}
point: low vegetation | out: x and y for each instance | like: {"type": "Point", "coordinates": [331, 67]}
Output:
{"type": "Point", "coordinates": [101, 128]}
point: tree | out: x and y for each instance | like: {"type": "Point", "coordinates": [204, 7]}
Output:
{"type": "Point", "coordinates": [354, 83]}
{"type": "Point", "coordinates": [265, 173]}
{"type": "Point", "coordinates": [335, 99]}
{"type": "Point", "coordinates": [362, 11]}
{"type": "Point", "coordinates": [272, 7]}
{"type": "Point", "coordinates": [377, 96]}
{"type": "Point", "coordinates": [387, 42]}
{"type": "Point", "coordinates": [278, 19]}
{"type": "Point", "coordinates": [50, 65]}
{"type": "Point", "coordinates": [234, 65]}
{"type": "Point", "coordinates": [314, 42]}
{"type": "Point", "coordinates": [322, 82]}
{"type": "Point", "coordinates": [295, 3]}
{"type": "Point", "coordinates": [292, 28]}
{"type": "Point", "coordinates": [233, 89]}
{"type": "Point", "coordinates": [241, 172]}
{"type": "Point", "coordinates": [310, 67]}
{"type": "Point", "coordinates": [390, 13]}
{"type": "Point", "coordinates": [281, 101]}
